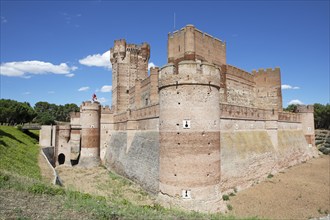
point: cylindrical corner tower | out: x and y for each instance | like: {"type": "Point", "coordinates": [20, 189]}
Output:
{"type": "Point", "coordinates": [190, 136]}
{"type": "Point", "coordinates": [90, 134]}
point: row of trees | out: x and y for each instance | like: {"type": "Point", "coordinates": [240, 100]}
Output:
{"type": "Point", "coordinates": [321, 115]}
{"type": "Point", "coordinates": [13, 112]}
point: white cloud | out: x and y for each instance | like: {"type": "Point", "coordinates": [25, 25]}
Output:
{"type": "Point", "coordinates": [3, 20]}
{"type": "Point", "coordinates": [69, 75]}
{"type": "Point", "coordinates": [106, 88]}
{"type": "Point", "coordinates": [26, 93]}
{"type": "Point", "coordinates": [85, 88]}
{"type": "Point", "coordinates": [284, 86]}
{"type": "Point", "coordinates": [151, 65]}
{"type": "Point", "coordinates": [23, 68]}
{"type": "Point", "coordinates": [102, 100]}
{"type": "Point", "coordinates": [295, 102]}
{"type": "Point", "coordinates": [51, 92]}
{"type": "Point", "coordinates": [97, 60]}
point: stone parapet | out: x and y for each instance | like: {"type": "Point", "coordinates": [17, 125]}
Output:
{"type": "Point", "coordinates": [242, 112]}
{"type": "Point", "coordinates": [189, 73]}
{"type": "Point", "coordinates": [289, 117]}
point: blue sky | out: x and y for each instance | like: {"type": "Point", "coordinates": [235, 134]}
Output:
{"type": "Point", "coordinates": [56, 51]}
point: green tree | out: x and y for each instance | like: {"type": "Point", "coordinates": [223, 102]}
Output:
{"type": "Point", "coordinates": [13, 112]}
{"type": "Point", "coordinates": [322, 116]}
{"type": "Point", "coordinates": [49, 113]}
{"type": "Point", "coordinates": [291, 108]}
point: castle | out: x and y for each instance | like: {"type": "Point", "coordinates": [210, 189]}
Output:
{"type": "Point", "coordinates": [188, 132]}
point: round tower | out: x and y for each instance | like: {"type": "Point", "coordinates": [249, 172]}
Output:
{"type": "Point", "coordinates": [90, 134]}
{"type": "Point", "coordinates": [190, 136]}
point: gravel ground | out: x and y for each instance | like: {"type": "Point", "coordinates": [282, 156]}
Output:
{"type": "Point", "coordinates": [300, 192]}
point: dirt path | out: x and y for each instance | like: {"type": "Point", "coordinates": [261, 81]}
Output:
{"type": "Point", "coordinates": [46, 171]}
{"type": "Point", "coordinates": [99, 181]}
{"type": "Point", "coordinates": [300, 192]}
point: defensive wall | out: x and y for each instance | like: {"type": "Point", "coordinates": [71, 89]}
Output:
{"type": "Point", "coordinates": [188, 132]}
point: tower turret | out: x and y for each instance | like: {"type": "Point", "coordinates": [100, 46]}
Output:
{"type": "Point", "coordinates": [129, 63]}
{"type": "Point", "coordinates": [90, 134]}
{"type": "Point", "coordinates": [306, 113]}
{"type": "Point", "coordinates": [190, 135]}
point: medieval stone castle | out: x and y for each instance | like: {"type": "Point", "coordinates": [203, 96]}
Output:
{"type": "Point", "coordinates": [188, 132]}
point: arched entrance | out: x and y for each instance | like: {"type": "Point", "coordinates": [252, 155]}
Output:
{"type": "Point", "coordinates": [61, 159]}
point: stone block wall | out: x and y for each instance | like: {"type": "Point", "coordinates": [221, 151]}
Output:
{"type": "Point", "coordinates": [239, 87]}
{"type": "Point", "coordinates": [268, 89]}
{"type": "Point", "coordinates": [135, 155]}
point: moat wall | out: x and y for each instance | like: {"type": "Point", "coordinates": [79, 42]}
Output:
{"type": "Point", "coordinates": [249, 151]}
{"type": "Point", "coordinates": [135, 155]}
{"type": "Point", "coordinates": [247, 148]}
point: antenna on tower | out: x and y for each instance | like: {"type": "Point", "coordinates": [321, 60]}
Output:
{"type": "Point", "coordinates": [174, 22]}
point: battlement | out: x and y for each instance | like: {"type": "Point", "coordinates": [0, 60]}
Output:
{"type": "Point", "coordinates": [190, 43]}
{"type": "Point", "coordinates": [74, 114]}
{"type": "Point", "coordinates": [304, 109]}
{"type": "Point", "coordinates": [154, 70]}
{"type": "Point", "coordinates": [189, 72]}
{"type": "Point", "coordinates": [237, 72]}
{"type": "Point", "coordinates": [266, 71]}
{"type": "Point", "coordinates": [91, 106]}
{"type": "Point", "coordinates": [106, 110]}
{"type": "Point", "coordinates": [120, 49]}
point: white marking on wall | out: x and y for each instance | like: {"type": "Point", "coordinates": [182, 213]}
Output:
{"type": "Point", "coordinates": [186, 194]}
{"type": "Point", "coordinates": [186, 124]}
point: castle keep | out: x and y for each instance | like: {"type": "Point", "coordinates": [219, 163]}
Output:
{"type": "Point", "coordinates": [188, 132]}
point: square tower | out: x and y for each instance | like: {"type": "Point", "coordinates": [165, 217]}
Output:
{"type": "Point", "coordinates": [190, 43]}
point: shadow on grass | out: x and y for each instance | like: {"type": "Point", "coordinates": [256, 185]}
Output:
{"type": "Point", "coordinates": [5, 134]}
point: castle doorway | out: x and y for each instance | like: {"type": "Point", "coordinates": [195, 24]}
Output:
{"type": "Point", "coordinates": [61, 159]}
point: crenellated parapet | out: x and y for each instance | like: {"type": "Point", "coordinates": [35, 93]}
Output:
{"type": "Point", "coordinates": [121, 49]}
{"type": "Point", "coordinates": [190, 72]}
{"type": "Point", "coordinates": [189, 43]}
{"type": "Point", "coordinates": [304, 109]}
{"type": "Point", "coordinates": [118, 50]}
{"type": "Point", "coordinates": [239, 75]}
{"type": "Point", "coordinates": [106, 110]}
{"type": "Point", "coordinates": [262, 71]}
{"type": "Point", "coordinates": [90, 106]}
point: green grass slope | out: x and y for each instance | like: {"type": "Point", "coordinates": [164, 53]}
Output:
{"type": "Point", "coordinates": [18, 153]}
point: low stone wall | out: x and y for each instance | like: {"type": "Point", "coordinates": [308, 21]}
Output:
{"type": "Point", "coordinates": [49, 153]}
{"type": "Point", "coordinates": [135, 154]}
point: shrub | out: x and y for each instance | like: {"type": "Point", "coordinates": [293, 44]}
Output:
{"type": "Point", "coordinates": [225, 197]}
{"type": "Point", "coordinates": [270, 176]}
